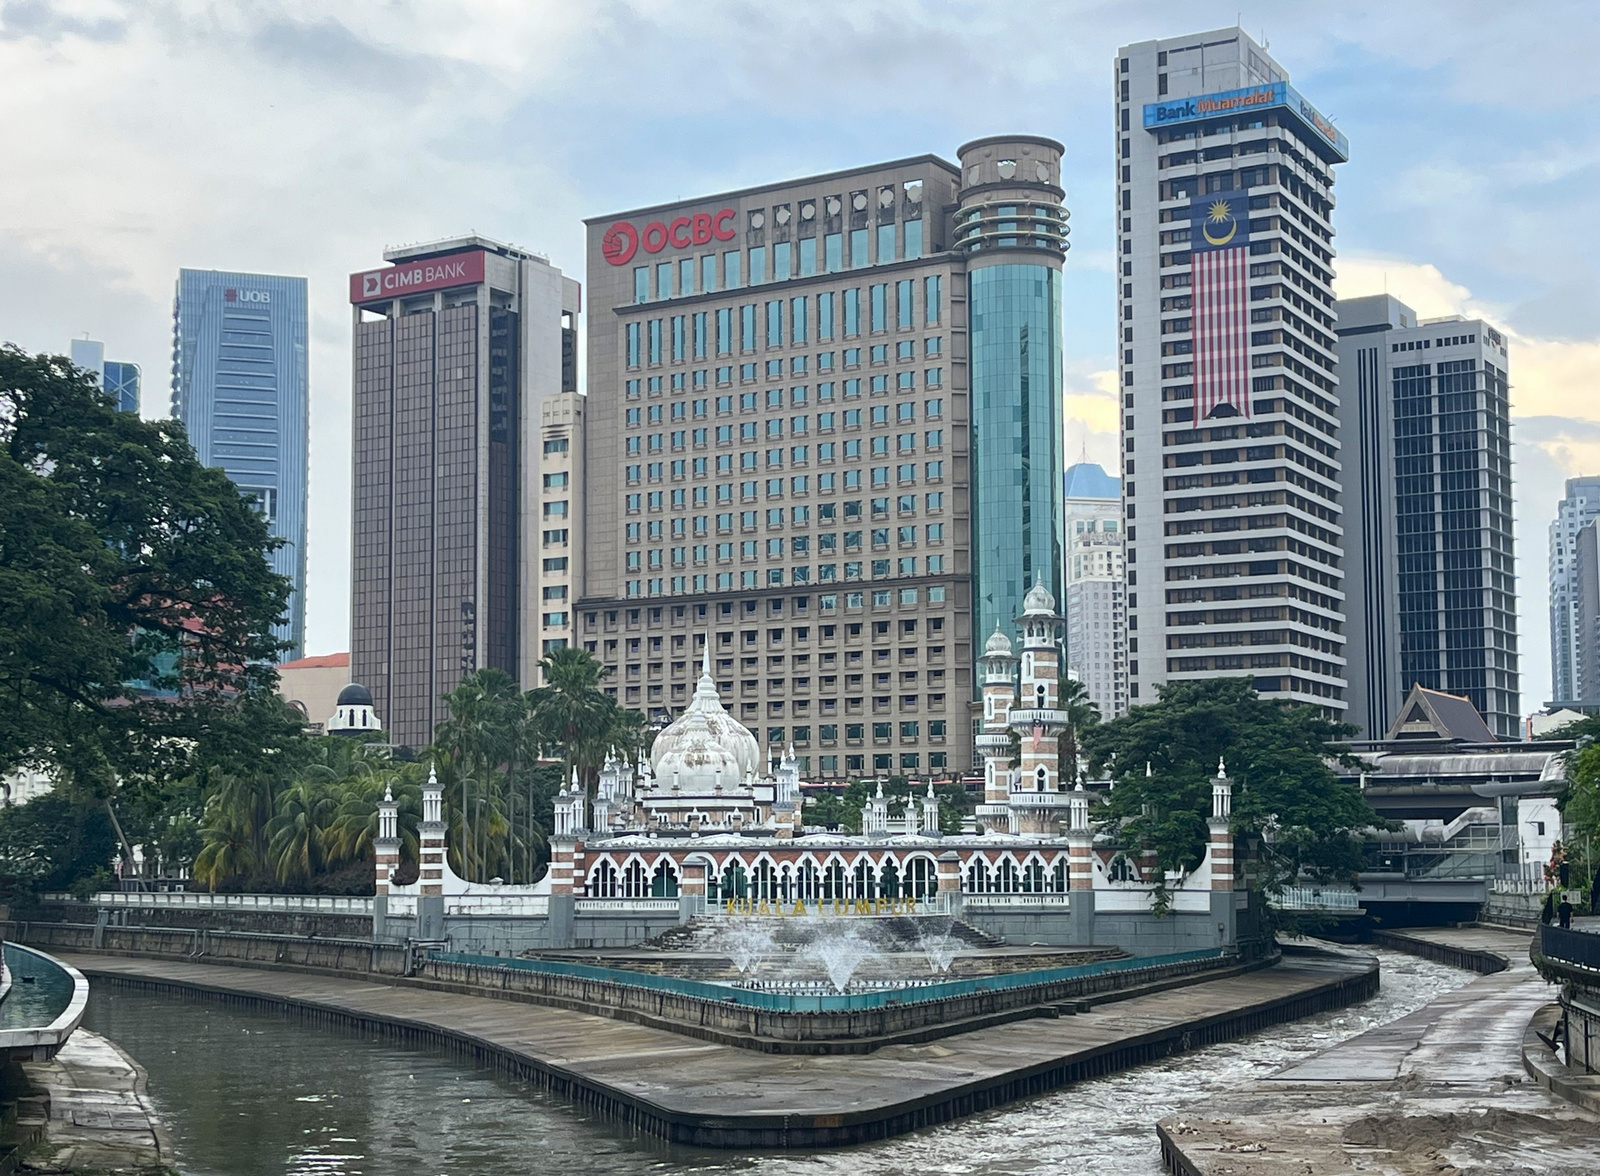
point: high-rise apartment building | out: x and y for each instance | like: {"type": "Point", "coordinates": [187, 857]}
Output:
{"type": "Point", "coordinates": [1586, 615]}
{"type": "Point", "coordinates": [823, 430]}
{"type": "Point", "coordinates": [1097, 632]}
{"type": "Point", "coordinates": [121, 380]}
{"type": "Point", "coordinates": [1576, 510]}
{"type": "Point", "coordinates": [560, 549]}
{"type": "Point", "coordinates": [239, 385]}
{"type": "Point", "coordinates": [1427, 489]}
{"type": "Point", "coordinates": [1228, 375]}
{"type": "Point", "coordinates": [458, 345]}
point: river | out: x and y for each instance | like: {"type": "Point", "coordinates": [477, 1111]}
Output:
{"type": "Point", "coordinates": [253, 1094]}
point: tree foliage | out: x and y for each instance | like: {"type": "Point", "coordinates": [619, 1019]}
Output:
{"type": "Point", "coordinates": [1287, 799]}
{"type": "Point", "coordinates": [136, 602]}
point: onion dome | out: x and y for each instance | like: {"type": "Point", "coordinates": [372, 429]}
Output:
{"type": "Point", "coordinates": [704, 739]}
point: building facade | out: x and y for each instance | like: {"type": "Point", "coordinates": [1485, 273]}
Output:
{"type": "Point", "coordinates": [1429, 555]}
{"type": "Point", "coordinates": [120, 380]}
{"type": "Point", "coordinates": [239, 385]}
{"type": "Point", "coordinates": [1231, 475]}
{"type": "Point", "coordinates": [1586, 616]}
{"type": "Point", "coordinates": [1096, 619]}
{"type": "Point", "coordinates": [560, 549]}
{"type": "Point", "coordinates": [1577, 509]}
{"type": "Point", "coordinates": [823, 430]}
{"type": "Point", "coordinates": [458, 344]}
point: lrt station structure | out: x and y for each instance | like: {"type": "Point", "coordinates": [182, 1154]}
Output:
{"type": "Point", "coordinates": [704, 829]}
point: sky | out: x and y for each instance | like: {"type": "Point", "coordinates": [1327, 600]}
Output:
{"type": "Point", "coordinates": [303, 138]}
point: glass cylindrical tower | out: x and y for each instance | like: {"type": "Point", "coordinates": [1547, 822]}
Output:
{"type": "Point", "coordinates": [1012, 226]}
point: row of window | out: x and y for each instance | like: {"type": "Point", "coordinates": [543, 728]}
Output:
{"type": "Point", "coordinates": [784, 322]}
{"type": "Point", "coordinates": [798, 516]}
{"type": "Point", "coordinates": [682, 410]}
{"type": "Point", "coordinates": [905, 444]}
{"type": "Point", "coordinates": [805, 258]}
{"type": "Point", "coordinates": [700, 496]}
{"type": "Point", "coordinates": [799, 547]}
{"type": "Point", "coordinates": [779, 577]}
{"type": "Point", "coordinates": [749, 373]}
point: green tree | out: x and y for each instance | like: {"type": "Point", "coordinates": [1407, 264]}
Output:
{"type": "Point", "coordinates": [479, 741]}
{"type": "Point", "coordinates": [1073, 698]}
{"type": "Point", "coordinates": [1287, 801]}
{"type": "Point", "coordinates": [52, 843]}
{"type": "Point", "coordinates": [574, 716]}
{"type": "Point", "coordinates": [136, 602]}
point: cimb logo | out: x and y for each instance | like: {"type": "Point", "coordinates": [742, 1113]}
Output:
{"type": "Point", "coordinates": [232, 295]}
{"type": "Point", "coordinates": [372, 284]}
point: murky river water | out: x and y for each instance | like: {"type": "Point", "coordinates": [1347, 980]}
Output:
{"type": "Point", "coordinates": [247, 1094]}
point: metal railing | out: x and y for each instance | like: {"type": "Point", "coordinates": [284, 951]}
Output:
{"type": "Point", "coordinates": [298, 903]}
{"type": "Point", "coordinates": [1311, 898]}
{"type": "Point", "coordinates": [1574, 949]}
{"type": "Point", "coordinates": [804, 1003]}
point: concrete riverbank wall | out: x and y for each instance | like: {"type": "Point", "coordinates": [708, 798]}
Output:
{"type": "Point", "coordinates": [723, 1016]}
{"type": "Point", "coordinates": [719, 1097]}
{"type": "Point", "coordinates": [1457, 951]}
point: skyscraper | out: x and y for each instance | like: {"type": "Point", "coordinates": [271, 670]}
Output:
{"type": "Point", "coordinates": [1586, 615]}
{"type": "Point", "coordinates": [458, 346]}
{"type": "Point", "coordinates": [1097, 633]}
{"type": "Point", "coordinates": [823, 428]}
{"type": "Point", "coordinates": [1577, 509]}
{"type": "Point", "coordinates": [121, 380]}
{"type": "Point", "coordinates": [1427, 487]}
{"type": "Point", "coordinates": [1229, 385]}
{"type": "Point", "coordinates": [239, 385]}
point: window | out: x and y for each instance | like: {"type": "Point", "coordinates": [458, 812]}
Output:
{"type": "Point", "coordinates": [858, 249]}
{"type": "Point", "coordinates": [852, 313]}
{"type": "Point", "coordinates": [824, 318]}
{"type": "Point", "coordinates": [633, 345]}
{"type": "Point", "coordinates": [758, 265]}
{"type": "Point", "coordinates": [886, 249]}
{"type": "Point", "coordinates": [799, 319]}
{"type": "Point", "coordinates": [902, 304]}
{"type": "Point", "coordinates": [775, 324]}
{"type": "Point", "coordinates": [730, 270]}
{"type": "Point", "coordinates": [833, 252]}
{"type": "Point", "coordinates": [557, 446]}
{"type": "Point", "coordinates": [932, 291]}
{"type": "Point", "coordinates": [879, 302]}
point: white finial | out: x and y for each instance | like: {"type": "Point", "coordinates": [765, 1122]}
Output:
{"type": "Point", "coordinates": [705, 658]}
{"type": "Point", "coordinates": [388, 796]}
{"type": "Point", "coordinates": [433, 777]}
{"type": "Point", "coordinates": [1222, 769]}
{"type": "Point", "coordinates": [930, 788]}
{"type": "Point", "coordinates": [574, 776]}
{"type": "Point", "coordinates": [1147, 772]}
{"type": "Point", "coordinates": [880, 789]}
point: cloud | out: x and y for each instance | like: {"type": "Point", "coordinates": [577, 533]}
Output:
{"type": "Point", "coordinates": [1549, 377]}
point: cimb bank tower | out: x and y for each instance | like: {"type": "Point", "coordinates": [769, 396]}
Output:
{"type": "Point", "coordinates": [823, 431]}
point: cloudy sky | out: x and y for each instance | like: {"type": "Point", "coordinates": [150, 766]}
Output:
{"type": "Point", "coordinates": [302, 137]}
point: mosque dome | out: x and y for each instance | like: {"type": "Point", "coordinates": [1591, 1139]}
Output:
{"type": "Point", "coordinates": [705, 744]}
{"type": "Point", "coordinates": [354, 694]}
{"type": "Point", "coordinates": [998, 641]}
{"type": "Point", "coordinates": [1038, 600]}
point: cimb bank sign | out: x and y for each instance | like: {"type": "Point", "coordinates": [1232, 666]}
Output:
{"type": "Point", "coordinates": [417, 277]}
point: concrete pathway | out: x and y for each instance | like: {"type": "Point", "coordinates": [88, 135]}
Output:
{"type": "Point", "coordinates": [1440, 1091]}
{"type": "Point", "coordinates": [100, 1119]}
{"type": "Point", "coordinates": [716, 1095]}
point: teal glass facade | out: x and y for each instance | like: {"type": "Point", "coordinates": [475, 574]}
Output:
{"type": "Point", "coordinates": [1014, 323]}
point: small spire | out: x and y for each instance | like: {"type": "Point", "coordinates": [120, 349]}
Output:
{"type": "Point", "coordinates": [433, 776]}
{"type": "Point", "coordinates": [705, 658]}
{"type": "Point", "coordinates": [388, 796]}
{"type": "Point", "coordinates": [1222, 769]}
{"type": "Point", "coordinates": [1147, 772]}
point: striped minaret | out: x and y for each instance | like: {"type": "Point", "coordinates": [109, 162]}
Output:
{"type": "Point", "coordinates": [1221, 832]}
{"type": "Point", "coordinates": [994, 743]}
{"type": "Point", "coordinates": [1037, 802]}
{"type": "Point", "coordinates": [387, 845]}
{"type": "Point", "coordinates": [430, 837]}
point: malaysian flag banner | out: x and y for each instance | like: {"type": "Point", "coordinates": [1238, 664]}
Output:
{"type": "Point", "coordinates": [1219, 243]}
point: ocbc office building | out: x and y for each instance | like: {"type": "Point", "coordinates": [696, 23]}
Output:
{"type": "Point", "coordinates": [823, 433]}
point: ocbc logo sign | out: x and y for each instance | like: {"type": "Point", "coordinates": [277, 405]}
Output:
{"type": "Point", "coordinates": [622, 241]}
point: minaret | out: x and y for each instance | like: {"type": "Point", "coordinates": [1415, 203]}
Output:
{"type": "Point", "coordinates": [1037, 802]}
{"type": "Point", "coordinates": [431, 861]}
{"type": "Point", "coordinates": [1220, 851]}
{"type": "Point", "coordinates": [386, 848]}
{"type": "Point", "coordinates": [994, 743]}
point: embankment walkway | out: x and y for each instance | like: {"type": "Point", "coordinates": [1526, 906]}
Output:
{"type": "Point", "coordinates": [712, 1095]}
{"type": "Point", "coordinates": [1440, 1090]}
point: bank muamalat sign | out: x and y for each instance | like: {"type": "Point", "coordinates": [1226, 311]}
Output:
{"type": "Point", "coordinates": [416, 277]}
{"type": "Point", "coordinates": [623, 240]}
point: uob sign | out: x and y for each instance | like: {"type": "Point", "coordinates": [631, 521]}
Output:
{"type": "Point", "coordinates": [231, 295]}
{"type": "Point", "coordinates": [622, 240]}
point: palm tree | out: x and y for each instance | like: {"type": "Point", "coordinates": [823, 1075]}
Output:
{"type": "Point", "coordinates": [572, 713]}
{"type": "Point", "coordinates": [297, 836]}
{"type": "Point", "coordinates": [228, 849]}
{"type": "Point", "coordinates": [1082, 713]}
{"type": "Point", "coordinates": [480, 738]}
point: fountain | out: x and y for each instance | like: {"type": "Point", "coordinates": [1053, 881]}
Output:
{"type": "Point", "coordinates": [840, 952]}
{"type": "Point", "coordinates": [746, 944]}
{"type": "Point", "coordinates": [938, 948]}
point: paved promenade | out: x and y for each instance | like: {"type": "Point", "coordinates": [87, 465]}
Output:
{"type": "Point", "coordinates": [1442, 1090]}
{"type": "Point", "coordinates": [714, 1095]}
{"type": "Point", "coordinates": [100, 1119]}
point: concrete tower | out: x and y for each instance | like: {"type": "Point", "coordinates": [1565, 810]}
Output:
{"type": "Point", "coordinates": [1037, 801]}
{"type": "Point", "coordinates": [999, 668]}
